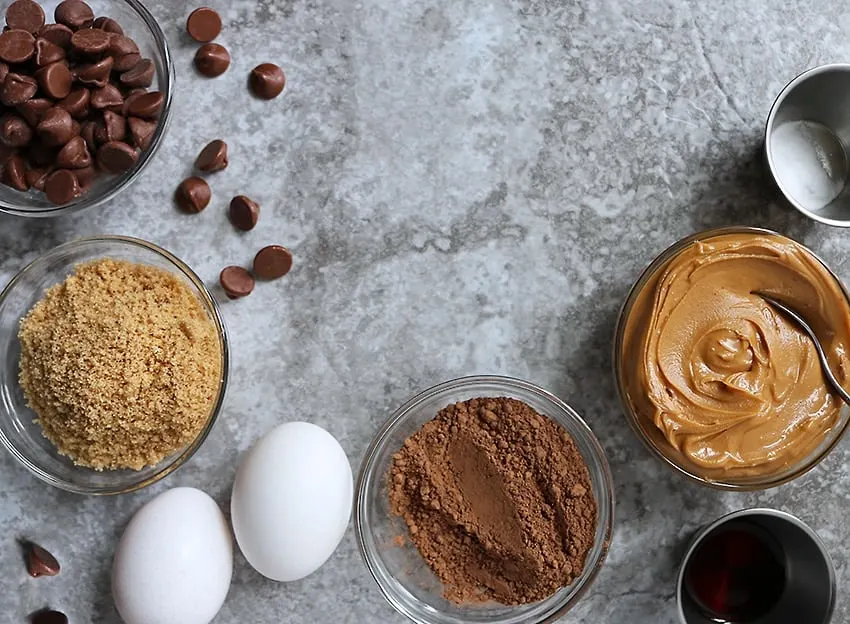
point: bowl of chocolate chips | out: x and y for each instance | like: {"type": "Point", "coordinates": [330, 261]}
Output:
{"type": "Point", "coordinates": [85, 94]}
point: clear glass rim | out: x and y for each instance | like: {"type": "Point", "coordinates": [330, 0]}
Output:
{"type": "Point", "coordinates": [119, 183]}
{"type": "Point", "coordinates": [210, 306]}
{"type": "Point", "coordinates": [751, 484]}
{"type": "Point", "coordinates": [368, 472]}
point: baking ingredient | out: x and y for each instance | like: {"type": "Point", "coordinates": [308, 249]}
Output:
{"type": "Point", "coordinates": [244, 212]}
{"type": "Point", "coordinates": [121, 363]}
{"type": "Point", "coordinates": [212, 60]}
{"type": "Point", "coordinates": [236, 282]}
{"type": "Point", "coordinates": [174, 562]}
{"type": "Point", "coordinates": [203, 24]}
{"type": "Point", "coordinates": [497, 499]}
{"type": "Point", "coordinates": [25, 15]}
{"type": "Point", "coordinates": [729, 382]}
{"type": "Point", "coordinates": [74, 14]}
{"type": "Point", "coordinates": [267, 81]}
{"type": "Point", "coordinates": [48, 616]}
{"type": "Point", "coordinates": [272, 262]}
{"type": "Point", "coordinates": [291, 501]}
{"type": "Point", "coordinates": [213, 157]}
{"type": "Point", "coordinates": [61, 186]}
{"type": "Point", "coordinates": [193, 194]}
{"type": "Point", "coordinates": [40, 562]}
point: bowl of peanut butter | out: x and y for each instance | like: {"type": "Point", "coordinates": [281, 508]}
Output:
{"type": "Point", "coordinates": [719, 385]}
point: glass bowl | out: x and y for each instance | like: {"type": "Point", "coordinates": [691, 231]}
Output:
{"type": "Point", "coordinates": [140, 25]}
{"type": "Point", "coordinates": [402, 575]}
{"type": "Point", "coordinates": [23, 437]}
{"type": "Point", "coordinates": [646, 430]}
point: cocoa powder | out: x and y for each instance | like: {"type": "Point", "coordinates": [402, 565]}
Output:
{"type": "Point", "coordinates": [497, 499]}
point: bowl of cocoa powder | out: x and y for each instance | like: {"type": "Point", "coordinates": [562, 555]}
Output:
{"type": "Point", "coordinates": [484, 499]}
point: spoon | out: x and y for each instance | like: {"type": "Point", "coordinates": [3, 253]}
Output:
{"type": "Point", "coordinates": [795, 316]}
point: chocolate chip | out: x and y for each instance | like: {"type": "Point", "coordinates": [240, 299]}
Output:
{"type": "Point", "coordinates": [213, 157]}
{"type": "Point", "coordinates": [115, 127]}
{"type": "Point", "coordinates": [47, 616]}
{"type": "Point", "coordinates": [40, 562]}
{"type": "Point", "coordinates": [17, 89]}
{"type": "Point", "coordinates": [108, 24]}
{"type": "Point", "coordinates": [55, 80]}
{"type": "Point", "coordinates": [25, 15]}
{"type": "Point", "coordinates": [131, 97]}
{"type": "Point", "coordinates": [95, 74]}
{"type": "Point", "coordinates": [58, 34]}
{"type": "Point", "coordinates": [272, 262]}
{"type": "Point", "coordinates": [90, 41]}
{"type": "Point", "coordinates": [87, 131]}
{"type": "Point", "coordinates": [267, 81]}
{"type": "Point", "coordinates": [106, 96]}
{"type": "Point", "coordinates": [244, 212]}
{"type": "Point", "coordinates": [32, 110]}
{"type": "Point", "coordinates": [77, 102]}
{"type": "Point", "coordinates": [212, 60]}
{"type": "Point", "coordinates": [85, 176]}
{"type": "Point", "coordinates": [121, 45]}
{"type": "Point", "coordinates": [116, 157]}
{"type": "Point", "coordinates": [203, 24]}
{"type": "Point", "coordinates": [16, 46]}
{"type": "Point", "coordinates": [236, 282]}
{"type": "Point", "coordinates": [37, 176]}
{"type": "Point", "coordinates": [126, 62]}
{"type": "Point", "coordinates": [142, 131]}
{"type": "Point", "coordinates": [15, 173]}
{"type": "Point", "coordinates": [141, 75]}
{"type": "Point", "coordinates": [56, 126]}
{"type": "Point", "coordinates": [47, 52]}
{"type": "Point", "coordinates": [193, 194]}
{"type": "Point", "coordinates": [4, 69]}
{"type": "Point", "coordinates": [14, 131]}
{"type": "Point", "coordinates": [74, 155]}
{"type": "Point", "coordinates": [62, 187]}
{"type": "Point", "coordinates": [147, 105]}
{"type": "Point", "coordinates": [74, 14]}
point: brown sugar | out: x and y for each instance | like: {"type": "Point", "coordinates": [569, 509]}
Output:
{"type": "Point", "coordinates": [498, 501]}
{"type": "Point", "coordinates": [121, 363]}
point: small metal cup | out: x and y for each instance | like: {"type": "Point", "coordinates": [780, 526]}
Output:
{"type": "Point", "coordinates": [809, 594]}
{"type": "Point", "coordinates": [806, 140]}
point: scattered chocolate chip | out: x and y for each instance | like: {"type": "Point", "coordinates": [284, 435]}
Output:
{"type": "Point", "coordinates": [212, 60]}
{"type": "Point", "coordinates": [55, 80]}
{"type": "Point", "coordinates": [62, 187]}
{"type": "Point", "coordinates": [95, 74]}
{"type": "Point", "coordinates": [47, 52]}
{"type": "Point", "coordinates": [90, 41]}
{"type": "Point", "coordinates": [16, 46]}
{"type": "Point", "coordinates": [15, 173]}
{"type": "Point", "coordinates": [203, 24]}
{"type": "Point", "coordinates": [74, 155]}
{"type": "Point", "coordinates": [77, 102]}
{"type": "Point", "coordinates": [40, 562]}
{"type": "Point", "coordinates": [244, 212]}
{"type": "Point", "coordinates": [142, 131]}
{"type": "Point", "coordinates": [17, 89]}
{"type": "Point", "coordinates": [141, 75]}
{"type": "Point", "coordinates": [36, 176]}
{"type": "Point", "coordinates": [108, 24]}
{"type": "Point", "coordinates": [25, 15]}
{"type": "Point", "coordinates": [116, 157]}
{"type": "Point", "coordinates": [126, 62]}
{"type": "Point", "coordinates": [56, 126]}
{"type": "Point", "coordinates": [87, 131]}
{"type": "Point", "coordinates": [115, 127]}
{"type": "Point", "coordinates": [58, 34]}
{"type": "Point", "coordinates": [213, 157]}
{"type": "Point", "coordinates": [32, 110]}
{"type": "Point", "coordinates": [85, 176]}
{"type": "Point", "coordinates": [193, 194]}
{"type": "Point", "coordinates": [267, 81]}
{"type": "Point", "coordinates": [48, 616]}
{"type": "Point", "coordinates": [119, 45]}
{"type": "Point", "coordinates": [147, 105]}
{"type": "Point", "coordinates": [106, 96]}
{"type": "Point", "coordinates": [74, 14]}
{"type": "Point", "coordinates": [14, 131]}
{"type": "Point", "coordinates": [272, 262]}
{"type": "Point", "coordinates": [236, 282]}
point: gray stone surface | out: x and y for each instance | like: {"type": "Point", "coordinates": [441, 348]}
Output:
{"type": "Point", "coordinates": [468, 187]}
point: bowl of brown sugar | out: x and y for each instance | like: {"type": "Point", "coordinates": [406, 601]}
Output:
{"type": "Point", "coordinates": [115, 365]}
{"type": "Point", "coordinates": [484, 499]}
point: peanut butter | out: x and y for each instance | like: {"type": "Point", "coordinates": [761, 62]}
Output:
{"type": "Point", "coordinates": [730, 383]}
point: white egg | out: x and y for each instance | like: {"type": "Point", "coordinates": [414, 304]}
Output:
{"type": "Point", "coordinates": [174, 562]}
{"type": "Point", "coordinates": [291, 501]}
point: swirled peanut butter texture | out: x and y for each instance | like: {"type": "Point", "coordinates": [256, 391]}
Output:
{"type": "Point", "coordinates": [732, 384]}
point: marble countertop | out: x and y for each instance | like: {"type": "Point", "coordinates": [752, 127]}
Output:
{"type": "Point", "coordinates": [468, 187]}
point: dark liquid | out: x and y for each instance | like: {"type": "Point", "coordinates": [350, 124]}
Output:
{"type": "Point", "coordinates": [737, 573]}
